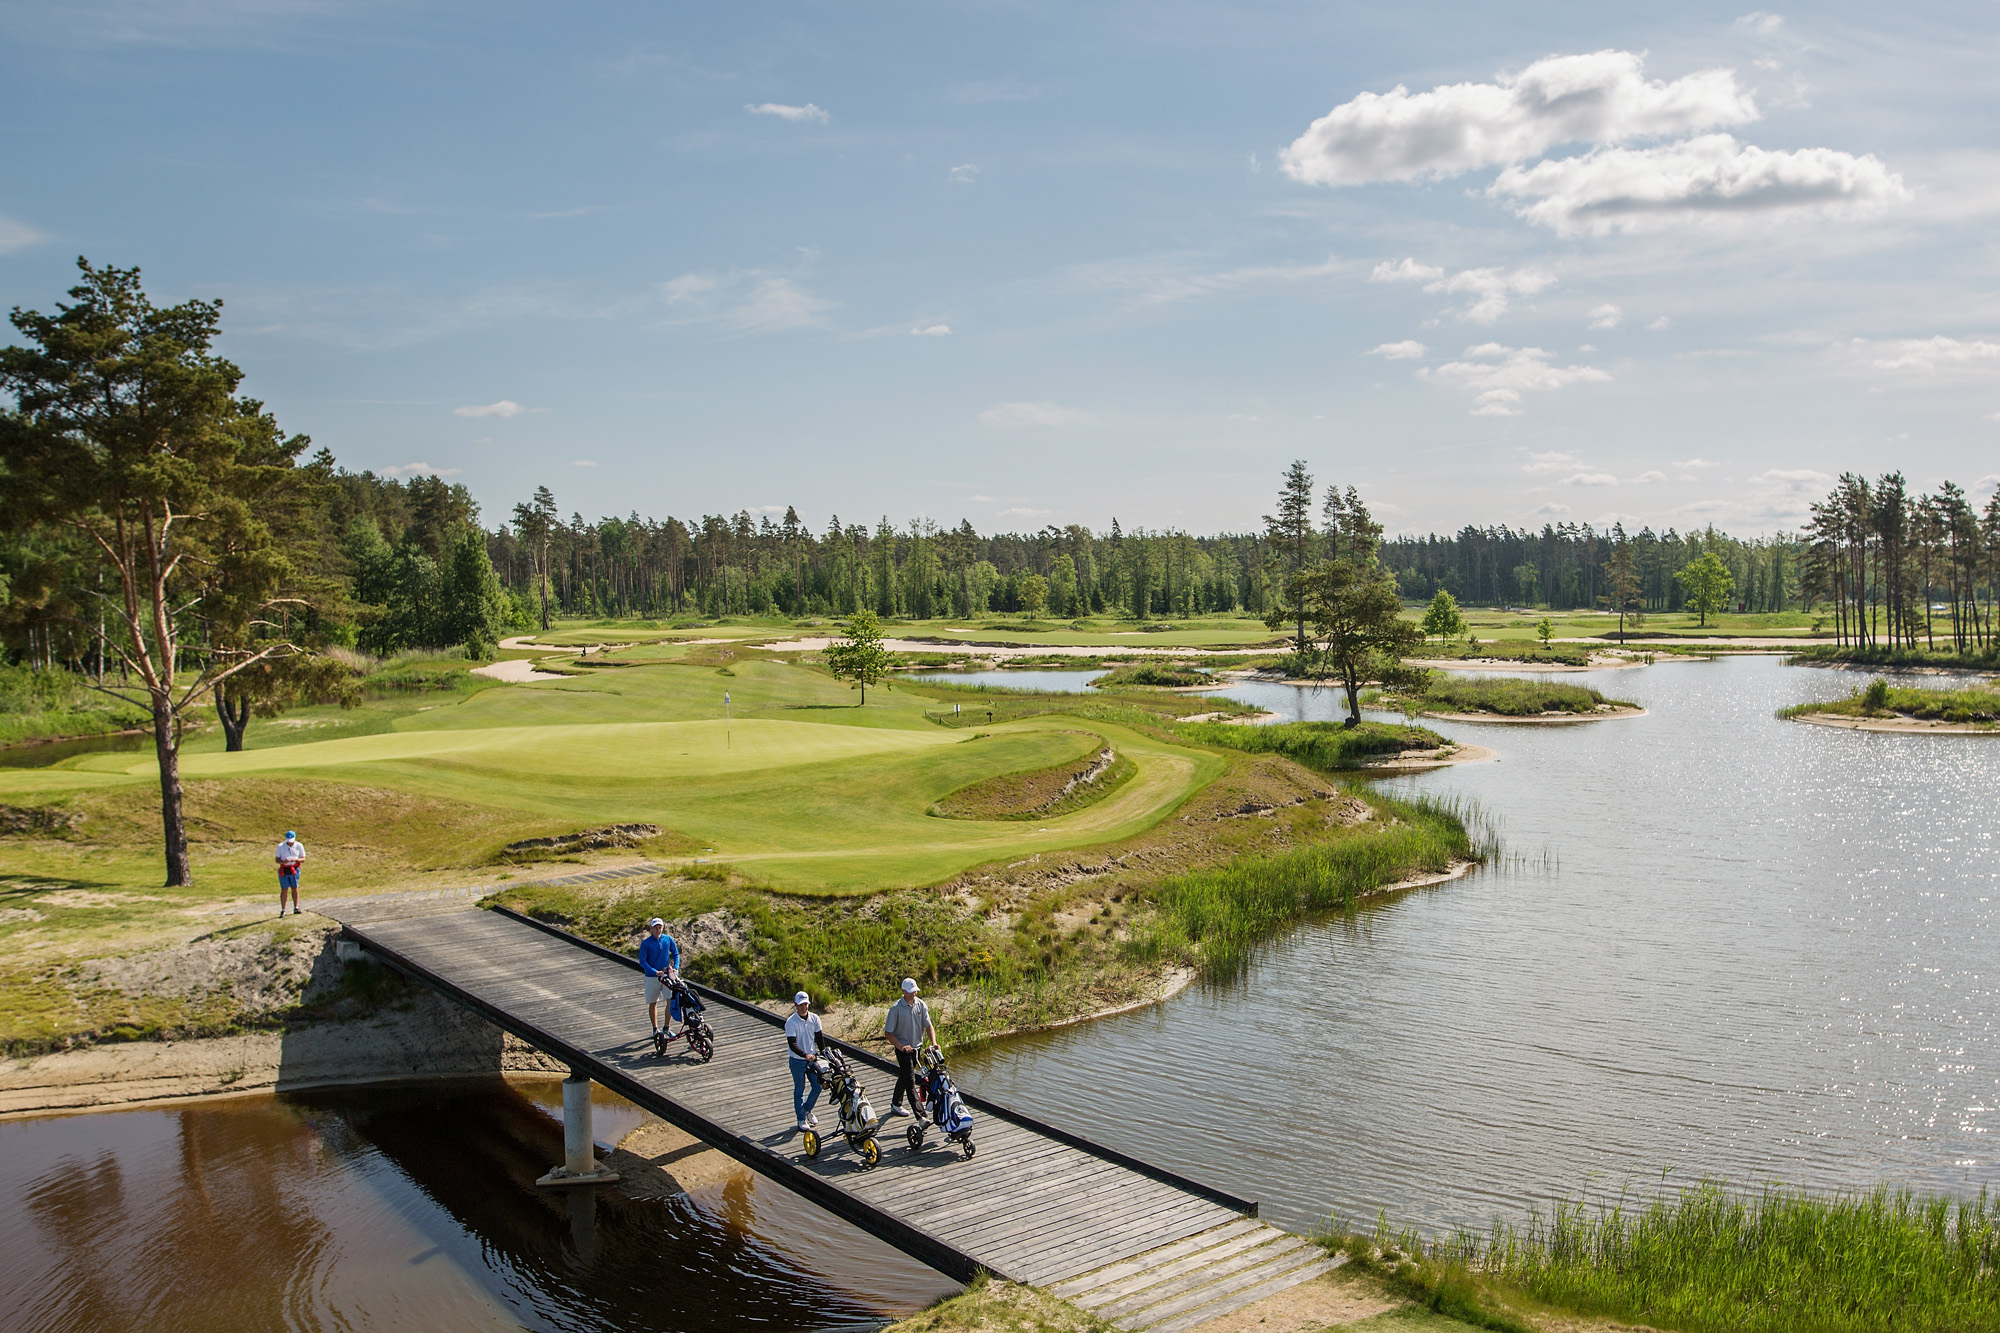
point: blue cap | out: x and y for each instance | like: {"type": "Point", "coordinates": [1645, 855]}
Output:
{"type": "Point", "coordinates": [290, 834]}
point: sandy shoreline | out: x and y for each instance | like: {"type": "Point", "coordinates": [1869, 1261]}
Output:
{"type": "Point", "coordinates": [1911, 726]}
{"type": "Point", "coordinates": [1544, 720]}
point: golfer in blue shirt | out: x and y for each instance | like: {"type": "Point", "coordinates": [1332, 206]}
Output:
{"type": "Point", "coordinates": [660, 960]}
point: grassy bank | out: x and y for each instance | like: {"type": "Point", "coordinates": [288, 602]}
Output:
{"type": "Point", "coordinates": [1444, 692]}
{"type": "Point", "coordinates": [1213, 918]}
{"type": "Point", "coordinates": [1526, 652]}
{"type": "Point", "coordinates": [1326, 747]}
{"type": "Point", "coordinates": [1172, 674]}
{"type": "Point", "coordinates": [1827, 654]}
{"type": "Point", "coordinates": [52, 705]}
{"type": "Point", "coordinates": [1879, 699]}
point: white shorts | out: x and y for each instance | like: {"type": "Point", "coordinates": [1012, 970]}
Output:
{"type": "Point", "coordinates": [654, 985]}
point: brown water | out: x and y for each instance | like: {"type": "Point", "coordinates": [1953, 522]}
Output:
{"type": "Point", "coordinates": [1739, 947]}
{"type": "Point", "coordinates": [402, 1209]}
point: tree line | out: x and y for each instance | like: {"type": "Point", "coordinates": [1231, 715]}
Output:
{"type": "Point", "coordinates": [1900, 569]}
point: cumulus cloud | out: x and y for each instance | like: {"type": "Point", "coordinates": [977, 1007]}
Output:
{"type": "Point", "coordinates": [1931, 353]}
{"type": "Point", "coordinates": [1759, 22]}
{"type": "Point", "coordinates": [419, 470]}
{"type": "Point", "coordinates": [503, 408]}
{"type": "Point", "coordinates": [1644, 477]}
{"type": "Point", "coordinates": [1659, 324]}
{"type": "Point", "coordinates": [1797, 476]}
{"type": "Point", "coordinates": [808, 112]}
{"type": "Point", "coordinates": [1489, 288]}
{"type": "Point", "coordinates": [1605, 316]}
{"type": "Point", "coordinates": [1036, 414]}
{"type": "Point", "coordinates": [1497, 376]}
{"type": "Point", "coordinates": [964, 174]}
{"type": "Point", "coordinates": [749, 302]}
{"type": "Point", "coordinates": [1591, 479]}
{"type": "Point", "coordinates": [583, 462]}
{"type": "Point", "coordinates": [1698, 463]}
{"type": "Point", "coordinates": [1705, 178]}
{"type": "Point", "coordinates": [1407, 350]}
{"type": "Point", "coordinates": [931, 331]}
{"type": "Point", "coordinates": [17, 236]}
{"type": "Point", "coordinates": [1552, 461]}
{"type": "Point", "coordinates": [1600, 98]}
{"type": "Point", "coordinates": [1024, 513]}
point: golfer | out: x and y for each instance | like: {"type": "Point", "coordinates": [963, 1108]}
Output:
{"type": "Point", "coordinates": [290, 856]}
{"type": "Point", "coordinates": [660, 960]}
{"type": "Point", "coordinates": [907, 1027]}
{"type": "Point", "coordinates": [802, 1041]}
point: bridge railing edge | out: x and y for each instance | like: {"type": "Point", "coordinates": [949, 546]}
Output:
{"type": "Point", "coordinates": [1235, 1203]}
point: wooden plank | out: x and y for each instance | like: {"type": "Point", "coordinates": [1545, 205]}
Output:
{"type": "Point", "coordinates": [1156, 1269]}
{"type": "Point", "coordinates": [1117, 1221]}
{"type": "Point", "coordinates": [1280, 1255]}
{"type": "Point", "coordinates": [1053, 1186]}
{"type": "Point", "coordinates": [1050, 1266]}
{"type": "Point", "coordinates": [1211, 1302]}
{"type": "Point", "coordinates": [1098, 1278]}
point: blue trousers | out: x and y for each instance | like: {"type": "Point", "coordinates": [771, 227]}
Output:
{"type": "Point", "coordinates": [805, 1087]}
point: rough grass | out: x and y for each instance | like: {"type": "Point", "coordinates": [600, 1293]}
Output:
{"type": "Point", "coordinates": [1972, 704]}
{"type": "Point", "coordinates": [1507, 650]}
{"type": "Point", "coordinates": [1447, 693]}
{"type": "Point", "coordinates": [1826, 654]}
{"type": "Point", "coordinates": [1709, 1259]}
{"type": "Point", "coordinates": [1174, 674]}
{"type": "Point", "coordinates": [1328, 747]}
{"type": "Point", "coordinates": [1002, 1307]}
{"type": "Point", "coordinates": [1215, 917]}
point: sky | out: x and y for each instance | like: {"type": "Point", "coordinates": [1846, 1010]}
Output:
{"type": "Point", "coordinates": [1048, 263]}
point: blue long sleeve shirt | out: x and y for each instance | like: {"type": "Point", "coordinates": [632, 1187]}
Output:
{"type": "Point", "coordinates": [657, 955]}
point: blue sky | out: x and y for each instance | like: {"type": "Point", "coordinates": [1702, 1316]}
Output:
{"type": "Point", "coordinates": [1030, 263]}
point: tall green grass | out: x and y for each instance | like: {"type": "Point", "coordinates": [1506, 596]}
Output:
{"type": "Point", "coordinates": [1216, 917]}
{"type": "Point", "coordinates": [1326, 746]}
{"type": "Point", "coordinates": [46, 705]}
{"type": "Point", "coordinates": [1709, 1259]}
{"type": "Point", "coordinates": [1879, 698]}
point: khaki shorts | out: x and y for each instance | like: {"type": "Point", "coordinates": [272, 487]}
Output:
{"type": "Point", "coordinates": [654, 985]}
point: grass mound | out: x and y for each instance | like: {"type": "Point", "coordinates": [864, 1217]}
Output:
{"type": "Point", "coordinates": [1972, 704]}
{"type": "Point", "coordinates": [1044, 793]}
{"type": "Point", "coordinates": [1503, 650]}
{"type": "Point", "coordinates": [1444, 693]}
{"type": "Point", "coordinates": [1325, 746]}
{"type": "Point", "coordinates": [1171, 674]}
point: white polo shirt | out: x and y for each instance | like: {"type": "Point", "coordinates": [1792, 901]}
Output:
{"type": "Point", "coordinates": [291, 850]}
{"type": "Point", "coordinates": [801, 1034]}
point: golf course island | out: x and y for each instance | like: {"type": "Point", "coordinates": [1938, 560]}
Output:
{"type": "Point", "coordinates": [1501, 699]}
{"type": "Point", "coordinates": [1032, 858]}
{"type": "Point", "coordinates": [1880, 706]}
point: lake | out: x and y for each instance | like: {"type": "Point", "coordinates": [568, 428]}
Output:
{"type": "Point", "coordinates": [1728, 946]}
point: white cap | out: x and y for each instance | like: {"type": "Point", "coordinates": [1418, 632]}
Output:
{"type": "Point", "coordinates": [909, 985]}
{"type": "Point", "coordinates": [802, 998]}
{"type": "Point", "coordinates": [655, 922]}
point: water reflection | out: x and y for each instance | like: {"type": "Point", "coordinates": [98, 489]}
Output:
{"type": "Point", "coordinates": [1761, 949]}
{"type": "Point", "coordinates": [1056, 681]}
{"type": "Point", "coordinates": [400, 1209]}
{"type": "Point", "coordinates": [46, 754]}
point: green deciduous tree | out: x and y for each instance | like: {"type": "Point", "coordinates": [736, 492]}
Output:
{"type": "Point", "coordinates": [1442, 618]}
{"type": "Point", "coordinates": [1356, 623]}
{"type": "Point", "coordinates": [1545, 630]}
{"type": "Point", "coordinates": [1706, 583]}
{"type": "Point", "coordinates": [127, 438]}
{"type": "Point", "coordinates": [860, 656]}
{"type": "Point", "coordinates": [1032, 592]}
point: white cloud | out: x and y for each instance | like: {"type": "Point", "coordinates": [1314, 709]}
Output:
{"type": "Point", "coordinates": [1599, 98]}
{"type": "Point", "coordinates": [1661, 323]}
{"type": "Point", "coordinates": [1497, 376]}
{"type": "Point", "coordinates": [1759, 22]}
{"type": "Point", "coordinates": [1591, 479]}
{"type": "Point", "coordinates": [1701, 179]}
{"type": "Point", "coordinates": [1644, 477]}
{"type": "Point", "coordinates": [1989, 482]}
{"type": "Point", "coordinates": [1407, 350]}
{"type": "Point", "coordinates": [808, 112]}
{"type": "Point", "coordinates": [504, 408]}
{"type": "Point", "coordinates": [1797, 476]}
{"type": "Point", "coordinates": [1550, 510]}
{"type": "Point", "coordinates": [1036, 414]}
{"type": "Point", "coordinates": [777, 304]}
{"type": "Point", "coordinates": [1605, 316]}
{"type": "Point", "coordinates": [583, 462]}
{"type": "Point", "coordinates": [687, 287]}
{"type": "Point", "coordinates": [1024, 513]}
{"type": "Point", "coordinates": [1932, 353]}
{"type": "Point", "coordinates": [965, 174]}
{"type": "Point", "coordinates": [931, 331]}
{"type": "Point", "coordinates": [1151, 283]}
{"type": "Point", "coordinates": [1698, 463]}
{"type": "Point", "coordinates": [17, 236]}
{"type": "Point", "coordinates": [1489, 287]}
{"type": "Point", "coordinates": [419, 470]}
{"type": "Point", "coordinates": [1552, 461]}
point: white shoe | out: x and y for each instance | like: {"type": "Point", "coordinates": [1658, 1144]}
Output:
{"type": "Point", "coordinates": [813, 1121]}
{"type": "Point", "coordinates": [804, 1125]}
{"type": "Point", "coordinates": [897, 1110]}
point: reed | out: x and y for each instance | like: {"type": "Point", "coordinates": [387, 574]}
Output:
{"type": "Point", "coordinates": [1709, 1258]}
{"type": "Point", "coordinates": [1216, 917]}
{"type": "Point", "coordinates": [1879, 698]}
{"type": "Point", "coordinates": [1326, 746]}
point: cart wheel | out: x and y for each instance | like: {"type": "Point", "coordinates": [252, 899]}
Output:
{"type": "Point", "coordinates": [871, 1153]}
{"type": "Point", "coordinates": [915, 1134]}
{"type": "Point", "coordinates": [969, 1150]}
{"type": "Point", "coordinates": [659, 1044]}
{"type": "Point", "coordinates": [810, 1140]}
{"type": "Point", "coordinates": [704, 1048]}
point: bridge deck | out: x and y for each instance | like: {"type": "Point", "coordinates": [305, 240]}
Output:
{"type": "Point", "coordinates": [1036, 1205]}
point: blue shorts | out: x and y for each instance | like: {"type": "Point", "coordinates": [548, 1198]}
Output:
{"type": "Point", "coordinates": [288, 879]}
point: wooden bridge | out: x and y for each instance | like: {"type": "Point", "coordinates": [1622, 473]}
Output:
{"type": "Point", "coordinates": [1139, 1245]}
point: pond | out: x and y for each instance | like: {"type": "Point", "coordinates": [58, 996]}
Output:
{"type": "Point", "coordinates": [45, 754]}
{"type": "Point", "coordinates": [403, 1208]}
{"type": "Point", "coordinates": [1721, 945]}
{"type": "Point", "coordinates": [1054, 681]}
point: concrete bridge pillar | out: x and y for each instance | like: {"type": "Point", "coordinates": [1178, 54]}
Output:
{"type": "Point", "coordinates": [580, 1165]}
